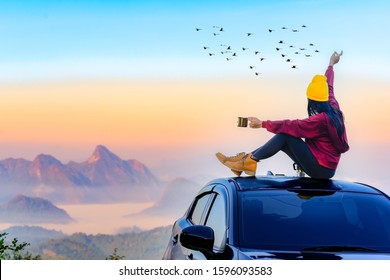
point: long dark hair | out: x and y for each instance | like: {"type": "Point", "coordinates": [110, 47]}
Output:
{"type": "Point", "coordinates": [335, 115]}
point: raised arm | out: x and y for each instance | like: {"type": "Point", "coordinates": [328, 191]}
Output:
{"type": "Point", "coordinates": [334, 59]}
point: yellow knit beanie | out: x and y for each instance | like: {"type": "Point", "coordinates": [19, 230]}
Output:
{"type": "Point", "coordinates": [318, 89]}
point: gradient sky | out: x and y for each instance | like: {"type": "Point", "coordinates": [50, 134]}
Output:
{"type": "Point", "coordinates": [133, 75]}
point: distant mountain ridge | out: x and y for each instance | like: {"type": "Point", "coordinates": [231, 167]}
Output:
{"type": "Point", "coordinates": [46, 175]}
{"type": "Point", "coordinates": [55, 245]}
{"type": "Point", "coordinates": [23, 209]}
{"type": "Point", "coordinates": [32, 234]}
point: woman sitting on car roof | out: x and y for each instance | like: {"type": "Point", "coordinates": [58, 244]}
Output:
{"type": "Point", "coordinates": [323, 132]}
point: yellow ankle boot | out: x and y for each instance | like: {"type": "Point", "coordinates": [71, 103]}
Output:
{"type": "Point", "coordinates": [222, 158]}
{"type": "Point", "coordinates": [245, 164]}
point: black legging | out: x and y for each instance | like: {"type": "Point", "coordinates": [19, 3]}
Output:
{"type": "Point", "coordinates": [298, 151]}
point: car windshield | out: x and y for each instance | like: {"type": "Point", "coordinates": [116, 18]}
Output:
{"type": "Point", "coordinates": [291, 220]}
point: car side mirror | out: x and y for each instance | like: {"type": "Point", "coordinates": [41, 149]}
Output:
{"type": "Point", "coordinates": [198, 238]}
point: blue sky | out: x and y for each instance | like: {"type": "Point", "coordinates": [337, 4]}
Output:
{"type": "Point", "coordinates": [127, 39]}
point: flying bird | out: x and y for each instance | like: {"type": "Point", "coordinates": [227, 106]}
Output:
{"type": "Point", "coordinates": [230, 53]}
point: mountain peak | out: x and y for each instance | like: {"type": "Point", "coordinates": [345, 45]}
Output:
{"type": "Point", "coordinates": [46, 159]}
{"type": "Point", "coordinates": [25, 209]}
{"type": "Point", "coordinates": [21, 200]}
{"type": "Point", "coordinates": [101, 153]}
{"type": "Point", "coordinates": [101, 148]}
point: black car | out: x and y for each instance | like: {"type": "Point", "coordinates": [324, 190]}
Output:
{"type": "Point", "coordinates": [279, 217]}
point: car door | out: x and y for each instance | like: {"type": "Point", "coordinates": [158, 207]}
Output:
{"type": "Point", "coordinates": [196, 215]}
{"type": "Point", "coordinates": [215, 217]}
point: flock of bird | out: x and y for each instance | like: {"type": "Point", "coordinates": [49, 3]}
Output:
{"type": "Point", "coordinates": [288, 52]}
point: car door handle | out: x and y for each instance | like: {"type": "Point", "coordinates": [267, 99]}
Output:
{"type": "Point", "coordinates": [175, 239]}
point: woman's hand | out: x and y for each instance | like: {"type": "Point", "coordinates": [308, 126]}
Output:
{"type": "Point", "coordinates": [335, 58]}
{"type": "Point", "coordinates": [254, 122]}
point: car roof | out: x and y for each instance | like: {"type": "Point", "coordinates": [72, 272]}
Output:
{"type": "Point", "coordinates": [297, 183]}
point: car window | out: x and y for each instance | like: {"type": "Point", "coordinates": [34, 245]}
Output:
{"type": "Point", "coordinates": [216, 219]}
{"type": "Point", "coordinates": [196, 216]}
{"type": "Point", "coordinates": [283, 220]}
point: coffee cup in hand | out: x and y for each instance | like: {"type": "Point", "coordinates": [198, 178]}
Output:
{"type": "Point", "coordinates": [242, 122]}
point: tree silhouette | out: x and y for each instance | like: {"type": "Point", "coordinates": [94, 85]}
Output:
{"type": "Point", "coordinates": [15, 250]}
{"type": "Point", "coordinates": [115, 256]}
